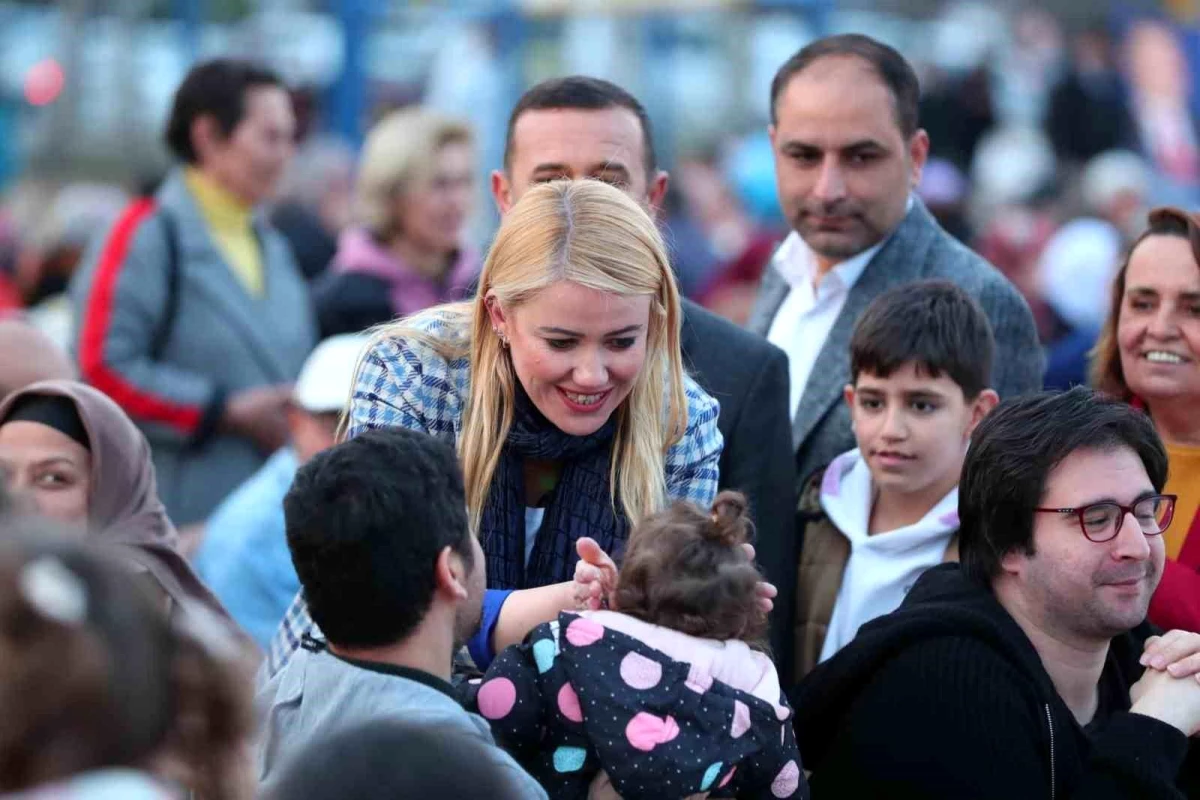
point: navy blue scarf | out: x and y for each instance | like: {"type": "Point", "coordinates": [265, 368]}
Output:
{"type": "Point", "coordinates": [581, 504]}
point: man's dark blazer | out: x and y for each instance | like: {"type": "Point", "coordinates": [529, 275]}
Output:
{"type": "Point", "coordinates": [749, 377]}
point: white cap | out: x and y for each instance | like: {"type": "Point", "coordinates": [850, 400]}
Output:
{"type": "Point", "coordinates": [327, 377]}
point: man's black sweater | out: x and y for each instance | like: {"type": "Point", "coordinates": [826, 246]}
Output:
{"type": "Point", "coordinates": [947, 698]}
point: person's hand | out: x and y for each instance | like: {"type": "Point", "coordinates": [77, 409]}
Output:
{"type": "Point", "coordinates": [1176, 652]}
{"type": "Point", "coordinates": [595, 576]}
{"type": "Point", "coordinates": [766, 591]}
{"type": "Point", "coordinates": [260, 415]}
{"type": "Point", "coordinates": [1175, 701]}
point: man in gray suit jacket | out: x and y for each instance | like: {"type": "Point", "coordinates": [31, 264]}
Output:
{"type": "Point", "coordinates": [848, 154]}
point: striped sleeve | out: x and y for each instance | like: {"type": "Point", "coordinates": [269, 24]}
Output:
{"type": "Point", "coordinates": [403, 384]}
{"type": "Point", "coordinates": [693, 463]}
{"type": "Point", "coordinates": [120, 301]}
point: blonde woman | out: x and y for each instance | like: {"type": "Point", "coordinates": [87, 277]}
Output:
{"type": "Point", "coordinates": [411, 202]}
{"type": "Point", "coordinates": [561, 385]}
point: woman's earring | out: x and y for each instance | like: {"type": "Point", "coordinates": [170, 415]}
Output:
{"type": "Point", "coordinates": [503, 338]}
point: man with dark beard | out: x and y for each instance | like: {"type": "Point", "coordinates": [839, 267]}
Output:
{"type": "Point", "coordinates": [848, 157]}
{"type": "Point", "coordinates": [377, 529]}
{"type": "Point", "coordinates": [1026, 671]}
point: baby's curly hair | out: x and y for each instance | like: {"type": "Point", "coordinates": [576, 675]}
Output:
{"type": "Point", "coordinates": [686, 569]}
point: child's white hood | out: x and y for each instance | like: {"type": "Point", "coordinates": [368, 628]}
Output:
{"type": "Point", "coordinates": [846, 497]}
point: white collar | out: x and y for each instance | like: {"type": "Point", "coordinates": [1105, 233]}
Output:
{"type": "Point", "coordinates": [797, 263]}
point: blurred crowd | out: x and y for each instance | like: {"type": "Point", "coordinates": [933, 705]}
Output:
{"type": "Point", "coordinates": [177, 357]}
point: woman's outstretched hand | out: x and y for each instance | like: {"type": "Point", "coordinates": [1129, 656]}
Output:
{"type": "Point", "coordinates": [596, 578]}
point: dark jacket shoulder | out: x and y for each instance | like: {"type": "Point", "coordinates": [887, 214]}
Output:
{"type": "Point", "coordinates": [350, 302]}
{"type": "Point", "coordinates": [962, 673]}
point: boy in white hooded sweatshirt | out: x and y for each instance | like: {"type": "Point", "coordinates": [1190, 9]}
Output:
{"type": "Point", "coordinates": [881, 514]}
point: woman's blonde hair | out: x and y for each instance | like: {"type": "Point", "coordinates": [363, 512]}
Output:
{"type": "Point", "coordinates": [399, 150]}
{"type": "Point", "coordinates": [1107, 375]}
{"type": "Point", "coordinates": [594, 235]}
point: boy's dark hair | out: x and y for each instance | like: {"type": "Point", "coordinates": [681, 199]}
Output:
{"type": "Point", "coordinates": [580, 93]}
{"type": "Point", "coordinates": [389, 758]}
{"type": "Point", "coordinates": [366, 521]}
{"type": "Point", "coordinates": [218, 89]}
{"type": "Point", "coordinates": [893, 69]}
{"type": "Point", "coordinates": [1013, 452]}
{"type": "Point", "coordinates": [933, 324]}
{"type": "Point", "coordinates": [685, 569]}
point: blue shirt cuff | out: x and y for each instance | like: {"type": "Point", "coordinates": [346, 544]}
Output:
{"type": "Point", "coordinates": [480, 645]}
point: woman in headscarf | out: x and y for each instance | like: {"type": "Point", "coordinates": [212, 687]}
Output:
{"type": "Point", "coordinates": [71, 454]}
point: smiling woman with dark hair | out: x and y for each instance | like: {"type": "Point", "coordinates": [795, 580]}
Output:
{"type": "Point", "coordinates": [1149, 354]}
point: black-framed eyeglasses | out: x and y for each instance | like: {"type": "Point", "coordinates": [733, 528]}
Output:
{"type": "Point", "coordinates": [1101, 522]}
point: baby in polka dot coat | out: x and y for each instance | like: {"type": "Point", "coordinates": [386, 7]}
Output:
{"type": "Point", "coordinates": [669, 692]}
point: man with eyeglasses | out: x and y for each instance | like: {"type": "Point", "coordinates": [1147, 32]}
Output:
{"type": "Point", "coordinates": [1028, 671]}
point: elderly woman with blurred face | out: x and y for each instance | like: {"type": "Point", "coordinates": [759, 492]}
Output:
{"type": "Point", "coordinates": [191, 313]}
{"type": "Point", "coordinates": [1149, 354]}
{"type": "Point", "coordinates": [412, 201]}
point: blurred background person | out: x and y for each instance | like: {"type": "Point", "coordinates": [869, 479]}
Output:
{"type": "Point", "coordinates": [1166, 132]}
{"type": "Point", "coordinates": [1149, 355]}
{"type": "Point", "coordinates": [191, 313]}
{"type": "Point", "coordinates": [722, 188]}
{"type": "Point", "coordinates": [314, 202]}
{"type": "Point", "coordinates": [1088, 111]}
{"type": "Point", "coordinates": [103, 697]}
{"type": "Point", "coordinates": [405, 251]}
{"type": "Point", "coordinates": [77, 215]}
{"type": "Point", "coordinates": [27, 356]}
{"type": "Point", "coordinates": [1077, 266]}
{"type": "Point", "coordinates": [244, 556]}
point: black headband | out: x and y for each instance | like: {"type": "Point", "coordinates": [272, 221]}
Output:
{"type": "Point", "coordinates": [53, 411]}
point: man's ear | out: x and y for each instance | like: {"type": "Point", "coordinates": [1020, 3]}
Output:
{"type": "Point", "coordinates": [206, 136]}
{"type": "Point", "coordinates": [1013, 562]}
{"type": "Point", "coordinates": [981, 406]}
{"type": "Point", "coordinates": [502, 191]}
{"type": "Point", "coordinates": [451, 574]}
{"type": "Point", "coordinates": [918, 153]}
{"type": "Point", "coordinates": [656, 191]}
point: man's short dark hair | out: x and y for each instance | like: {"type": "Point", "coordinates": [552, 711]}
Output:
{"type": "Point", "coordinates": [932, 324]}
{"type": "Point", "coordinates": [893, 69]}
{"type": "Point", "coordinates": [1013, 452]}
{"type": "Point", "coordinates": [580, 93]}
{"type": "Point", "coordinates": [218, 89]}
{"type": "Point", "coordinates": [366, 521]}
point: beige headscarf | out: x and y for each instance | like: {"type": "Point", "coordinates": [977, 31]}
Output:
{"type": "Point", "coordinates": [123, 506]}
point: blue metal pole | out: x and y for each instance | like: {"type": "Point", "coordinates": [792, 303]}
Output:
{"type": "Point", "coordinates": [348, 95]}
{"type": "Point", "coordinates": [190, 14]}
